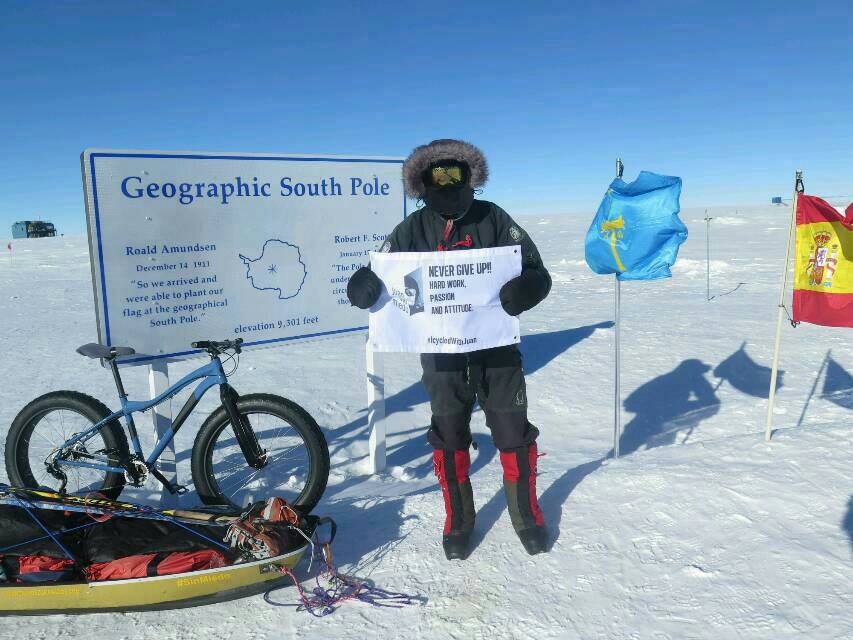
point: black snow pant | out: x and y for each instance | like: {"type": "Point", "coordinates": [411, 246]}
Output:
{"type": "Point", "coordinates": [496, 379]}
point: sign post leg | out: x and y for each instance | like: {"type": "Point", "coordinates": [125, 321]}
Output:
{"type": "Point", "coordinates": [375, 409]}
{"type": "Point", "coordinates": [158, 382]}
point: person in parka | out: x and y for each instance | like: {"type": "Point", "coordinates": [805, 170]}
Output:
{"type": "Point", "coordinates": [443, 174]}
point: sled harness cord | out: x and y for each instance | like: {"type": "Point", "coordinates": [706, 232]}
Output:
{"type": "Point", "coordinates": [321, 601]}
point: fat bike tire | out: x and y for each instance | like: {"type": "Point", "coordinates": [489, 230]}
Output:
{"type": "Point", "coordinates": [48, 421]}
{"type": "Point", "coordinates": [298, 463]}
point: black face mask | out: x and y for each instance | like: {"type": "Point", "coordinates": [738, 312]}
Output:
{"type": "Point", "coordinates": [452, 201]}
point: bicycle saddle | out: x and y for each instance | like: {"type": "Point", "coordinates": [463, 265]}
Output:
{"type": "Point", "coordinates": [94, 350]}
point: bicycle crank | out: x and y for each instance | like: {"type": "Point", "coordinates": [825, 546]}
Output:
{"type": "Point", "coordinates": [135, 472]}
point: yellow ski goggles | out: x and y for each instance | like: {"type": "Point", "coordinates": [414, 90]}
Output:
{"type": "Point", "coordinates": [446, 175]}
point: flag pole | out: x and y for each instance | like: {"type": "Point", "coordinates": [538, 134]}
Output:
{"type": "Point", "coordinates": [708, 256]}
{"type": "Point", "coordinates": [771, 399]}
{"type": "Point", "coordinates": [617, 394]}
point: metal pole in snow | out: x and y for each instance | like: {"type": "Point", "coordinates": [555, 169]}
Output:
{"type": "Point", "coordinates": [617, 394]}
{"type": "Point", "coordinates": [617, 413]}
{"type": "Point", "coordinates": [708, 254]}
{"type": "Point", "coordinates": [768, 429]}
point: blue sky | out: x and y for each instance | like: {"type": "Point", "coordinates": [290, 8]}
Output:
{"type": "Point", "coordinates": [732, 97]}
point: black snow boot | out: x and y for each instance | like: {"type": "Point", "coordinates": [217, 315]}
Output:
{"type": "Point", "coordinates": [520, 486]}
{"type": "Point", "coordinates": [451, 469]}
{"type": "Point", "coordinates": [457, 545]}
{"type": "Point", "coordinates": [534, 539]}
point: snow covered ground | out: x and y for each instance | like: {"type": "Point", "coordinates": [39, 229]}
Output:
{"type": "Point", "coordinates": [702, 530]}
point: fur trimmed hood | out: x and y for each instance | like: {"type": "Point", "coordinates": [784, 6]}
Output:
{"type": "Point", "coordinates": [444, 149]}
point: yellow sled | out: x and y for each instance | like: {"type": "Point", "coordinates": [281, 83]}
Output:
{"type": "Point", "coordinates": [157, 592]}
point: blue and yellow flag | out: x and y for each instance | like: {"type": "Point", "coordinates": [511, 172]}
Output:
{"type": "Point", "coordinates": [636, 232]}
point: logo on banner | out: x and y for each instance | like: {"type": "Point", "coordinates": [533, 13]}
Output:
{"type": "Point", "coordinates": [823, 260]}
{"type": "Point", "coordinates": [444, 302]}
{"type": "Point", "coordinates": [410, 298]}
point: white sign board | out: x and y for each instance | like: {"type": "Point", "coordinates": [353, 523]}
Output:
{"type": "Point", "coordinates": [192, 246]}
{"type": "Point", "coordinates": [443, 301]}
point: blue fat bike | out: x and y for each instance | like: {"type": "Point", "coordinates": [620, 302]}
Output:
{"type": "Point", "coordinates": [250, 447]}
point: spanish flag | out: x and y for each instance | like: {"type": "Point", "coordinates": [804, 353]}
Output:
{"type": "Point", "coordinates": [823, 278]}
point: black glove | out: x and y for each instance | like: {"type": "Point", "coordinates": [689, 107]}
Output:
{"type": "Point", "coordinates": [363, 288]}
{"type": "Point", "coordinates": [524, 292]}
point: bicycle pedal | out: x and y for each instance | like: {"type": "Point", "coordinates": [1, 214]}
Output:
{"type": "Point", "coordinates": [178, 489]}
{"type": "Point", "coordinates": [175, 489]}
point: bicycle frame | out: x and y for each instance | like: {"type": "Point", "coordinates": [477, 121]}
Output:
{"type": "Point", "coordinates": [210, 375]}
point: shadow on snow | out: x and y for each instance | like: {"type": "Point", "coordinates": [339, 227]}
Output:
{"type": "Point", "coordinates": [537, 349]}
{"type": "Point", "coordinates": [746, 375]}
{"type": "Point", "coordinates": [668, 405]}
{"type": "Point", "coordinates": [838, 384]}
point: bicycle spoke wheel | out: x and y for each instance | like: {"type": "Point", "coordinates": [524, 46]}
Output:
{"type": "Point", "coordinates": [297, 457]}
{"type": "Point", "coordinates": [44, 425]}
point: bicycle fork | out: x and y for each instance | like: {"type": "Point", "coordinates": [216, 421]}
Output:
{"type": "Point", "coordinates": [256, 457]}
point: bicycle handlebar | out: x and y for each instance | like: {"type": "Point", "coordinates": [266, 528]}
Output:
{"type": "Point", "coordinates": [214, 348]}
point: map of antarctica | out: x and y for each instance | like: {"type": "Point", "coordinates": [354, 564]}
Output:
{"type": "Point", "coordinates": [278, 268]}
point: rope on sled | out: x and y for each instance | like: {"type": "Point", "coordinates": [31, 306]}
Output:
{"type": "Point", "coordinates": [321, 601]}
{"type": "Point", "coordinates": [20, 498]}
{"type": "Point", "coordinates": [167, 518]}
{"type": "Point", "coordinates": [46, 537]}
{"type": "Point", "coordinates": [27, 506]}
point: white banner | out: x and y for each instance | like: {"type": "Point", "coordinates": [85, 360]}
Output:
{"type": "Point", "coordinates": [192, 246]}
{"type": "Point", "coordinates": [443, 301]}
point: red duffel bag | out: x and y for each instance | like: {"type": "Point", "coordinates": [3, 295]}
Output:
{"type": "Point", "coordinates": [155, 564]}
{"type": "Point", "coordinates": [43, 569]}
